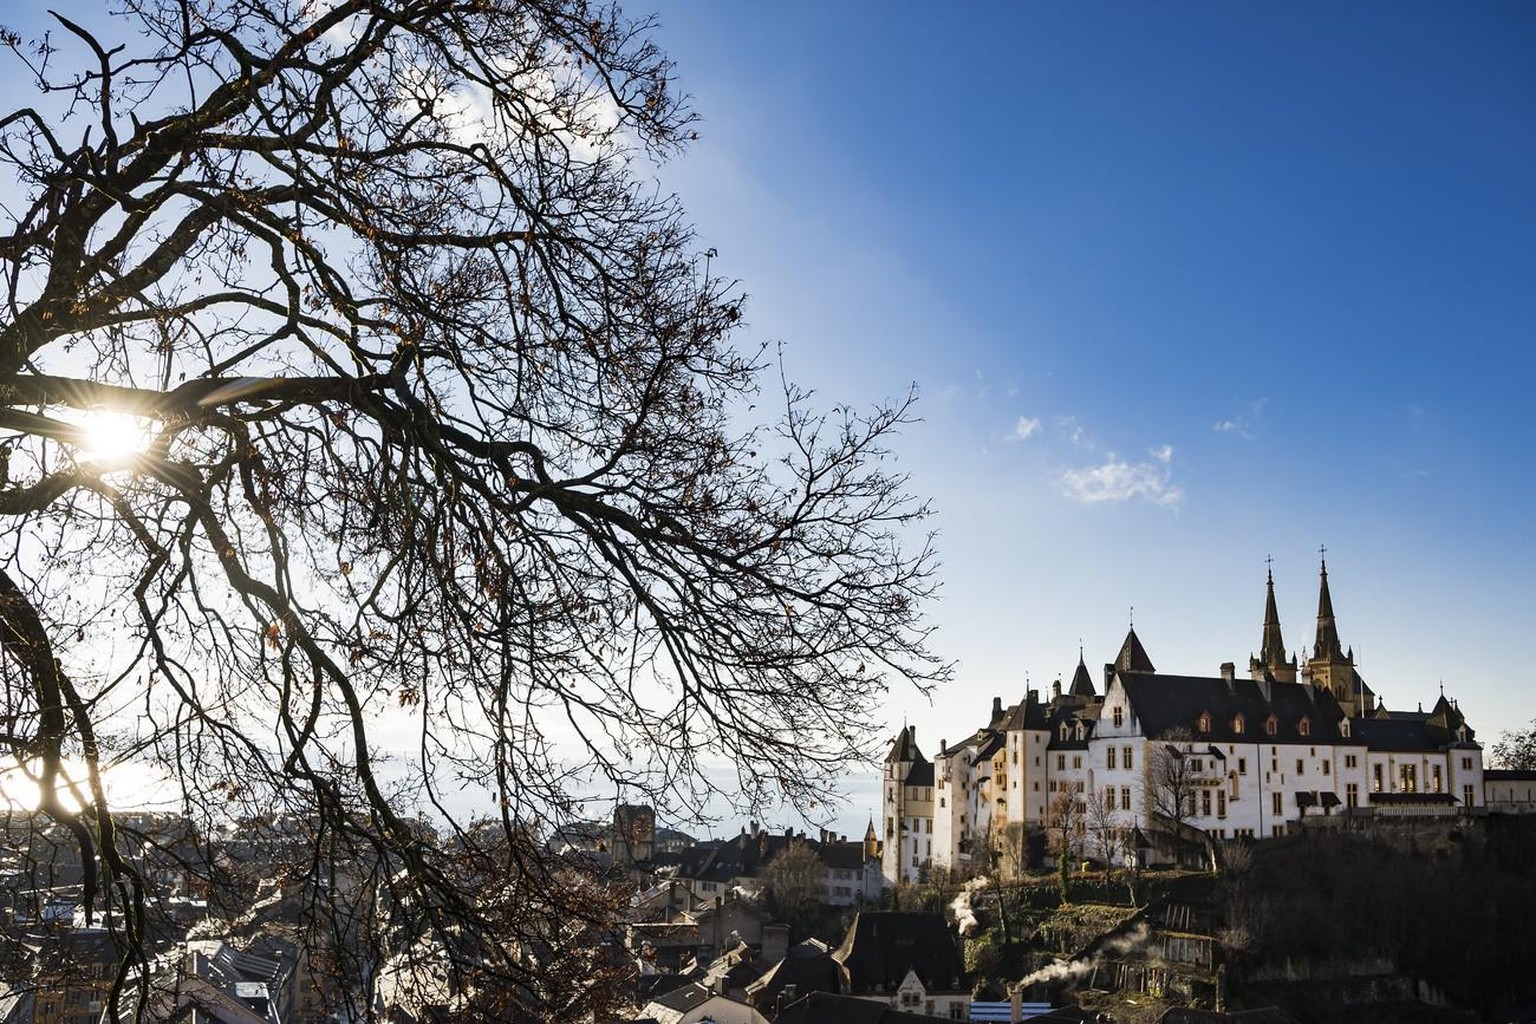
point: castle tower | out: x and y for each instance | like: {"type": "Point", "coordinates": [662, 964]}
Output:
{"type": "Point", "coordinates": [1271, 657]}
{"type": "Point", "coordinates": [871, 842]}
{"type": "Point", "coordinates": [904, 756]}
{"type": "Point", "coordinates": [1329, 667]}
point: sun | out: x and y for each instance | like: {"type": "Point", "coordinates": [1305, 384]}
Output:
{"type": "Point", "coordinates": [111, 438]}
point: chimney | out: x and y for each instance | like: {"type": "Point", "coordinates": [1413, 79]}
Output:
{"type": "Point", "coordinates": [1032, 696]}
{"type": "Point", "coordinates": [754, 827]}
{"type": "Point", "coordinates": [997, 708]}
{"type": "Point", "coordinates": [1109, 675]}
{"type": "Point", "coordinates": [943, 747]}
{"type": "Point", "coordinates": [1229, 676]}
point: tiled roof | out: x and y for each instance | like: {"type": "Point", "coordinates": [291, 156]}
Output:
{"type": "Point", "coordinates": [882, 946]}
{"type": "Point", "coordinates": [1162, 703]}
{"type": "Point", "coordinates": [1508, 775]}
{"type": "Point", "coordinates": [807, 973]}
{"type": "Point", "coordinates": [1133, 656]}
{"type": "Point", "coordinates": [1402, 732]}
{"type": "Point", "coordinates": [1082, 682]}
{"type": "Point", "coordinates": [825, 1008]}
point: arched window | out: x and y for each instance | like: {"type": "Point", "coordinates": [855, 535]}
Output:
{"type": "Point", "coordinates": [1239, 723]}
{"type": "Point", "coordinates": [1271, 725]}
{"type": "Point", "coordinates": [1203, 723]}
{"type": "Point", "coordinates": [1304, 726]}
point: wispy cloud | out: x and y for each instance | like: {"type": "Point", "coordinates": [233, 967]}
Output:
{"type": "Point", "coordinates": [1243, 425]}
{"type": "Point", "coordinates": [1237, 426]}
{"type": "Point", "coordinates": [1026, 428]}
{"type": "Point", "coordinates": [1116, 480]}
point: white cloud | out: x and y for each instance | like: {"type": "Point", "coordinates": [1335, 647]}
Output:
{"type": "Point", "coordinates": [1024, 429]}
{"type": "Point", "coordinates": [1116, 480]}
{"type": "Point", "coordinates": [1073, 431]}
{"type": "Point", "coordinates": [1242, 426]}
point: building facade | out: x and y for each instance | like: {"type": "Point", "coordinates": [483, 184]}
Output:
{"type": "Point", "coordinates": [1159, 761]}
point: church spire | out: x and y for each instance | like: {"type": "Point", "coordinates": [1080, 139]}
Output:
{"type": "Point", "coordinates": [1327, 642]}
{"type": "Point", "coordinates": [1272, 646]}
{"type": "Point", "coordinates": [1272, 661]}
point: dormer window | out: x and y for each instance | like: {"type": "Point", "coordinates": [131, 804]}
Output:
{"type": "Point", "coordinates": [1063, 732]}
{"type": "Point", "coordinates": [1271, 725]}
{"type": "Point", "coordinates": [1344, 727]}
{"type": "Point", "coordinates": [1239, 723]}
{"type": "Point", "coordinates": [1203, 723]}
{"type": "Point", "coordinates": [1304, 727]}
{"type": "Point", "coordinates": [1077, 730]}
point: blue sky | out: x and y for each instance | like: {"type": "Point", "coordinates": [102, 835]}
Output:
{"type": "Point", "coordinates": [1183, 286]}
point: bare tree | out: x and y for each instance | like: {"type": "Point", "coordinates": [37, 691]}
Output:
{"type": "Point", "coordinates": [1515, 748]}
{"type": "Point", "coordinates": [370, 450]}
{"type": "Point", "coordinates": [1105, 830]}
{"type": "Point", "coordinates": [1064, 826]}
{"type": "Point", "coordinates": [1175, 776]}
{"type": "Point", "coordinates": [792, 884]}
{"type": "Point", "coordinates": [1172, 783]}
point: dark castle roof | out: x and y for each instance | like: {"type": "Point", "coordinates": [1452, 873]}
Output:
{"type": "Point", "coordinates": [1133, 656]}
{"type": "Point", "coordinates": [1163, 703]}
{"type": "Point", "coordinates": [1082, 683]}
{"type": "Point", "coordinates": [882, 946]}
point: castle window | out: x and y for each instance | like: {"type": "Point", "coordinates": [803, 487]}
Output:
{"type": "Point", "coordinates": [1203, 724]}
{"type": "Point", "coordinates": [1110, 754]}
{"type": "Point", "coordinates": [1304, 727]}
{"type": "Point", "coordinates": [1271, 725]}
{"type": "Point", "coordinates": [1238, 722]}
{"type": "Point", "coordinates": [1119, 716]}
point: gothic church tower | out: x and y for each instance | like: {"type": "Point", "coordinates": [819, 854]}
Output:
{"type": "Point", "coordinates": [1330, 667]}
{"type": "Point", "coordinates": [1271, 660]}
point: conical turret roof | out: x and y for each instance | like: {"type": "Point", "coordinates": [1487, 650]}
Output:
{"type": "Point", "coordinates": [1082, 682]}
{"type": "Point", "coordinates": [905, 748]}
{"type": "Point", "coordinates": [1132, 656]}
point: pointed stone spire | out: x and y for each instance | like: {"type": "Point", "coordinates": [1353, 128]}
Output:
{"type": "Point", "coordinates": [1272, 646]}
{"type": "Point", "coordinates": [1272, 660]}
{"type": "Point", "coordinates": [1327, 643]}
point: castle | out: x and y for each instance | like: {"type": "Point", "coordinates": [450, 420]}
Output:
{"type": "Point", "coordinates": [1171, 759]}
